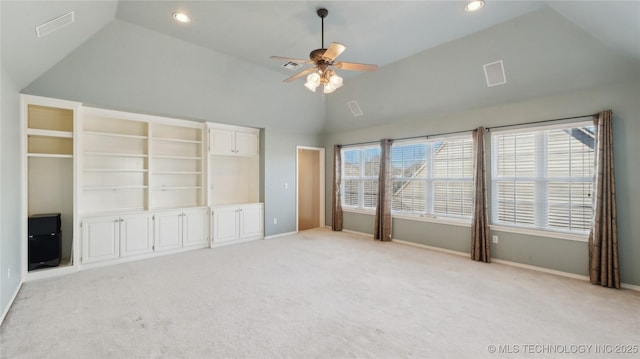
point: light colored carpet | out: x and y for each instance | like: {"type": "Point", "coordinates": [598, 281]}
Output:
{"type": "Point", "coordinates": [317, 294]}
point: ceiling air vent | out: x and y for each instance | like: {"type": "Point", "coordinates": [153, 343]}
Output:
{"type": "Point", "coordinates": [291, 65]}
{"type": "Point", "coordinates": [494, 73]}
{"type": "Point", "coordinates": [355, 108]}
{"type": "Point", "coordinates": [55, 24]}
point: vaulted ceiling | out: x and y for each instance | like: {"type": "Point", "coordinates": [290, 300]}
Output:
{"type": "Point", "coordinates": [413, 42]}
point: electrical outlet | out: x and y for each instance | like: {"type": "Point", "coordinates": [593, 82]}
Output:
{"type": "Point", "coordinates": [286, 185]}
{"type": "Point", "coordinates": [9, 272]}
{"type": "Point", "coordinates": [275, 221]}
{"type": "Point", "coordinates": [495, 239]}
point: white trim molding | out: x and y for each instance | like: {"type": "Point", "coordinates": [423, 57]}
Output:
{"type": "Point", "coordinates": [280, 235]}
{"type": "Point", "coordinates": [10, 303]}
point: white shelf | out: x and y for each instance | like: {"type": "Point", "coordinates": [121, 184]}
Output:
{"type": "Point", "coordinates": [176, 157]}
{"type": "Point", "coordinates": [113, 170]}
{"type": "Point", "coordinates": [112, 188]}
{"type": "Point", "coordinates": [113, 212]}
{"type": "Point", "coordinates": [176, 172]}
{"type": "Point", "coordinates": [175, 140]}
{"type": "Point", "coordinates": [119, 135]}
{"type": "Point", "coordinates": [49, 155]}
{"type": "Point", "coordinates": [115, 154]}
{"type": "Point", "coordinates": [168, 188]}
{"type": "Point", "coordinates": [49, 133]}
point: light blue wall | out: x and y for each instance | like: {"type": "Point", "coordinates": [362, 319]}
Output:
{"type": "Point", "coordinates": [11, 202]}
{"type": "Point", "coordinates": [557, 254]}
{"type": "Point", "coordinates": [127, 67]}
{"type": "Point", "coordinates": [280, 169]}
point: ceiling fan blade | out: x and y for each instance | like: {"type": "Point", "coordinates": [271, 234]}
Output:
{"type": "Point", "coordinates": [301, 61]}
{"type": "Point", "coordinates": [300, 74]}
{"type": "Point", "coordinates": [334, 50]}
{"type": "Point", "coordinates": [352, 66]}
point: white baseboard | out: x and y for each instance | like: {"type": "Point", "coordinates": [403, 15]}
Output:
{"type": "Point", "coordinates": [513, 264]}
{"type": "Point", "coordinates": [280, 235]}
{"type": "Point", "coordinates": [438, 249]}
{"type": "Point", "coordinates": [630, 286]}
{"type": "Point", "coordinates": [13, 298]}
{"type": "Point", "coordinates": [541, 269]}
{"type": "Point", "coordinates": [368, 235]}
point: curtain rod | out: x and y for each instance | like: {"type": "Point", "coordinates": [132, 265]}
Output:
{"type": "Point", "coordinates": [464, 131]}
{"type": "Point", "coordinates": [542, 121]}
{"type": "Point", "coordinates": [408, 138]}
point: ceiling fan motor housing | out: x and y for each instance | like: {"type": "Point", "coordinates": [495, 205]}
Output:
{"type": "Point", "coordinates": [316, 56]}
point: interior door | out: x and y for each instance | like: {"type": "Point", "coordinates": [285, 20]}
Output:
{"type": "Point", "coordinates": [308, 189]}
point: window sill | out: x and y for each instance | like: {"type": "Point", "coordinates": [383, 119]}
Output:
{"type": "Point", "coordinates": [434, 219]}
{"type": "Point", "coordinates": [426, 218]}
{"type": "Point", "coordinates": [540, 233]}
{"type": "Point", "coordinates": [359, 211]}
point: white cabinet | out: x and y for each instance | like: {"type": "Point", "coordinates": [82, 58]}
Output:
{"type": "Point", "coordinates": [168, 230]}
{"type": "Point", "coordinates": [195, 227]}
{"type": "Point", "coordinates": [178, 229]}
{"type": "Point", "coordinates": [230, 223]}
{"type": "Point", "coordinates": [251, 221]}
{"type": "Point", "coordinates": [233, 141]}
{"type": "Point", "coordinates": [136, 234]}
{"type": "Point", "coordinates": [100, 239]}
{"type": "Point", "coordinates": [111, 237]}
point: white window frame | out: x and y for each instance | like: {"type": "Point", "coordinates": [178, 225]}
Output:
{"type": "Point", "coordinates": [541, 182]}
{"type": "Point", "coordinates": [428, 213]}
{"type": "Point", "coordinates": [361, 178]}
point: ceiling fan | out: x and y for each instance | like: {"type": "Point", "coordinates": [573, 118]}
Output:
{"type": "Point", "coordinates": [324, 59]}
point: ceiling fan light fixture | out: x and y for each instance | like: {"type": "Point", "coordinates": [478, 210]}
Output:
{"type": "Point", "coordinates": [474, 5]}
{"type": "Point", "coordinates": [335, 81]}
{"type": "Point", "coordinates": [181, 17]}
{"type": "Point", "coordinates": [329, 88]}
{"type": "Point", "coordinates": [311, 86]}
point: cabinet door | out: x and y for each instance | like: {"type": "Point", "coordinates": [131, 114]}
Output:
{"type": "Point", "coordinates": [168, 231]}
{"type": "Point", "coordinates": [251, 220]}
{"type": "Point", "coordinates": [246, 144]}
{"type": "Point", "coordinates": [221, 142]}
{"type": "Point", "coordinates": [136, 235]}
{"type": "Point", "coordinates": [100, 239]}
{"type": "Point", "coordinates": [194, 227]}
{"type": "Point", "coordinates": [225, 224]}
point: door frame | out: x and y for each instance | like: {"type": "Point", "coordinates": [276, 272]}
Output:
{"type": "Point", "coordinates": [321, 164]}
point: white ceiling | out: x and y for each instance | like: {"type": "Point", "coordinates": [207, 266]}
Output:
{"type": "Point", "coordinates": [379, 32]}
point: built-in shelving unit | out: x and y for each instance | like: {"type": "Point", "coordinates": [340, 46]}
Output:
{"type": "Point", "coordinates": [114, 164]}
{"type": "Point", "coordinates": [176, 166]}
{"type": "Point", "coordinates": [233, 179]}
{"type": "Point", "coordinates": [132, 186]}
{"type": "Point", "coordinates": [49, 129]}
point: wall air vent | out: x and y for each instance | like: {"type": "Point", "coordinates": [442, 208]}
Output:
{"type": "Point", "coordinates": [355, 108]}
{"type": "Point", "coordinates": [291, 65]}
{"type": "Point", "coordinates": [55, 24]}
{"type": "Point", "coordinates": [494, 73]}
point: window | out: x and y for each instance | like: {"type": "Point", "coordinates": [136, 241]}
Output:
{"type": "Point", "coordinates": [543, 178]}
{"type": "Point", "coordinates": [433, 177]}
{"type": "Point", "coordinates": [360, 167]}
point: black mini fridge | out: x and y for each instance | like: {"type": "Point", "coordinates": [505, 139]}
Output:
{"type": "Point", "coordinates": [45, 245]}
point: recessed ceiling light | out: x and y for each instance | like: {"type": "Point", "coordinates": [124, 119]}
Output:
{"type": "Point", "coordinates": [474, 5]}
{"type": "Point", "coordinates": [182, 17]}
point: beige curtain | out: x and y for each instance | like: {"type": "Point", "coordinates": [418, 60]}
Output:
{"type": "Point", "coordinates": [336, 205]}
{"type": "Point", "coordinates": [480, 245]}
{"type": "Point", "coordinates": [382, 229]}
{"type": "Point", "coordinates": [603, 236]}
